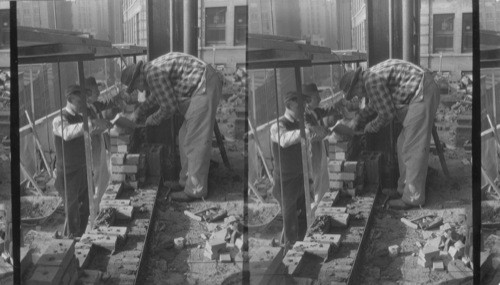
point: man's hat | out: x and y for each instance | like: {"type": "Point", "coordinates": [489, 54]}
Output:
{"type": "Point", "coordinates": [73, 90]}
{"type": "Point", "coordinates": [289, 96]}
{"type": "Point", "coordinates": [348, 81]}
{"type": "Point", "coordinates": [310, 89]}
{"type": "Point", "coordinates": [130, 74]}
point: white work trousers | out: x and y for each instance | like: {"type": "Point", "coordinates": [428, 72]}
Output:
{"type": "Point", "coordinates": [414, 143]}
{"type": "Point", "coordinates": [321, 181]}
{"type": "Point", "coordinates": [101, 166]}
{"type": "Point", "coordinates": [195, 134]}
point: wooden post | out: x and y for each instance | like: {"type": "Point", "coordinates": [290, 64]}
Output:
{"type": "Point", "coordinates": [303, 143]}
{"type": "Point", "coordinates": [88, 147]}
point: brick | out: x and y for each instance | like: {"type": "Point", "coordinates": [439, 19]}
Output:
{"type": "Point", "coordinates": [320, 249]}
{"type": "Point", "coordinates": [120, 232]}
{"type": "Point", "coordinates": [292, 260]}
{"type": "Point", "coordinates": [122, 212]}
{"type": "Point", "coordinates": [428, 253]}
{"type": "Point", "coordinates": [350, 166]}
{"type": "Point", "coordinates": [118, 159]}
{"type": "Point", "coordinates": [134, 184]}
{"type": "Point", "coordinates": [111, 196]}
{"type": "Point", "coordinates": [105, 241]}
{"type": "Point", "coordinates": [84, 253]}
{"type": "Point", "coordinates": [215, 245]}
{"type": "Point", "coordinates": [343, 176]}
{"type": "Point", "coordinates": [320, 211]}
{"type": "Point", "coordinates": [210, 255]}
{"type": "Point", "coordinates": [124, 168]}
{"type": "Point", "coordinates": [58, 253]}
{"type": "Point", "coordinates": [113, 149]}
{"type": "Point", "coordinates": [115, 188]}
{"type": "Point", "coordinates": [352, 191]}
{"type": "Point", "coordinates": [137, 232]}
{"type": "Point", "coordinates": [338, 147]}
{"type": "Point", "coordinates": [90, 277]}
{"type": "Point", "coordinates": [331, 196]}
{"type": "Point", "coordinates": [120, 140]}
{"type": "Point", "coordinates": [459, 271]}
{"type": "Point", "coordinates": [225, 257]}
{"type": "Point", "coordinates": [122, 149]}
{"type": "Point", "coordinates": [424, 263]}
{"type": "Point", "coordinates": [219, 235]}
{"type": "Point", "coordinates": [132, 159]}
{"type": "Point", "coordinates": [114, 203]}
{"type": "Point", "coordinates": [322, 204]}
{"type": "Point", "coordinates": [335, 165]}
{"type": "Point", "coordinates": [46, 275]}
{"type": "Point", "coordinates": [238, 243]}
{"type": "Point", "coordinates": [70, 272]}
{"type": "Point", "coordinates": [454, 253]}
{"type": "Point", "coordinates": [324, 238]}
{"type": "Point", "coordinates": [339, 156]}
{"type": "Point", "coordinates": [117, 177]}
{"type": "Point", "coordinates": [336, 184]}
{"type": "Point", "coordinates": [434, 243]}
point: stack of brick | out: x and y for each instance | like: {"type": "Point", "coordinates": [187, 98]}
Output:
{"type": "Point", "coordinates": [125, 168]}
{"type": "Point", "coordinates": [58, 264]}
{"type": "Point", "coordinates": [439, 251]}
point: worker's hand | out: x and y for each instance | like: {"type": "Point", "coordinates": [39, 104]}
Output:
{"type": "Point", "coordinates": [99, 126]}
{"type": "Point", "coordinates": [134, 117]}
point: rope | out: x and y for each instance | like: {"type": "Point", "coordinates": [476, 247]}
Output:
{"type": "Point", "coordinates": [66, 225]}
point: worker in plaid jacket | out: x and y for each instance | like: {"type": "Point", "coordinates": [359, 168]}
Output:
{"type": "Point", "coordinates": [402, 90]}
{"type": "Point", "coordinates": [178, 82]}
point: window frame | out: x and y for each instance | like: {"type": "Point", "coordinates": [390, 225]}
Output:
{"type": "Point", "coordinates": [442, 34]}
{"type": "Point", "coordinates": [220, 28]}
{"type": "Point", "coordinates": [467, 34]}
{"type": "Point", "coordinates": [240, 27]}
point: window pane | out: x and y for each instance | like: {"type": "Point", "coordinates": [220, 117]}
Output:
{"type": "Point", "coordinates": [443, 32]}
{"type": "Point", "coordinates": [240, 25]}
{"type": "Point", "coordinates": [215, 25]}
{"type": "Point", "coordinates": [467, 32]}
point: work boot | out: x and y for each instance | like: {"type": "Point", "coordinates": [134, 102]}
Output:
{"type": "Point", "coordinates": [181, 197]}
{"type": "Point", "coordinates": [391, 193]}
{"type": "Point", "coordinates": [398, 204]}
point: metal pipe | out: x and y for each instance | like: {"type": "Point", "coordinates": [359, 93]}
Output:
{"type": "Point", "coordinates": [303, 143]}
{"type": "Point", "coordinates": [190, 27]}
{"type": "Point", "coordinates": [391, 42]}
{"type": "Point", "coordinates": [408, 30]}
{"type": "Point", "coordinates": [88, 147]}
{"type": "Point", "coordinates": [66, 222]}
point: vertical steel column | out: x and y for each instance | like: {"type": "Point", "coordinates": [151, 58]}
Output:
{"type": "Point", "coordinates": [303, 144]}
{"type": "Point", "coordinates": [408, 31]}
{"type": "Point", "coordinates": [88, 147]}
{"type": "Point", "coordinates": [190, 27]}
{"type": "Point", "coordinates": [159, 28]}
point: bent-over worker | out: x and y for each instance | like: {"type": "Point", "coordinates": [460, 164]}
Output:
{"type": "Point", "coordinates": [179, 82]}
{"type": "Point", "coordinates": [402, 90]}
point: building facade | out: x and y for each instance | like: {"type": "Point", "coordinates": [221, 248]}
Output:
{"type": "Point", "coordinates": [489, 15]}
{"type": "Point", "coordinates": [135, 22]}
{"type": "Point", "coordinates": [358, 22]}
{"type": "Point", "coordinates": [223, 27]}
{"type": "Point", "coordinates": [446, 36]}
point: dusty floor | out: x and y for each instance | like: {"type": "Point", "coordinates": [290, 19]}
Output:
{"type": "Point", "coordinates": [189, 265]}
{"type": "Point", "coordinates": [451, 202]}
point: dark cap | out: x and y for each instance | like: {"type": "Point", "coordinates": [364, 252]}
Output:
{"type": "Point", "coordinates": [130, 74]}
{"type": "Point", "coordinates": [348, 81]}
{"type": "Point", "coordinates": [289, 96]}
{"type": "Point", "coordinates": [309, 89]}
{"type": "Point", "coordinates": [73, 90]}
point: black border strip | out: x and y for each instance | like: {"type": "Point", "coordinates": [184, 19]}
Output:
{"type": "Point", "coordinates": [14, 146]}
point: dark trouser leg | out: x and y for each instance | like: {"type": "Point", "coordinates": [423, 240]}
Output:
{"type": "Point", "coordinates": [78, 200]}
{"type": "Point", "coordinates": [292, 187]}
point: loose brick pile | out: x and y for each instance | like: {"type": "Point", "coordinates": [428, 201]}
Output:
{"type": "Point", "coordinates": [226, 244]}
{"type": "Point", "coordinates": [441, 248]}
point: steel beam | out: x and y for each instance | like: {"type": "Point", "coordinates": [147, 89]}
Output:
{"type": "Point", "coordinates": [190, 27]}
{"type": "Point", "coordinates": [159, 28]}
